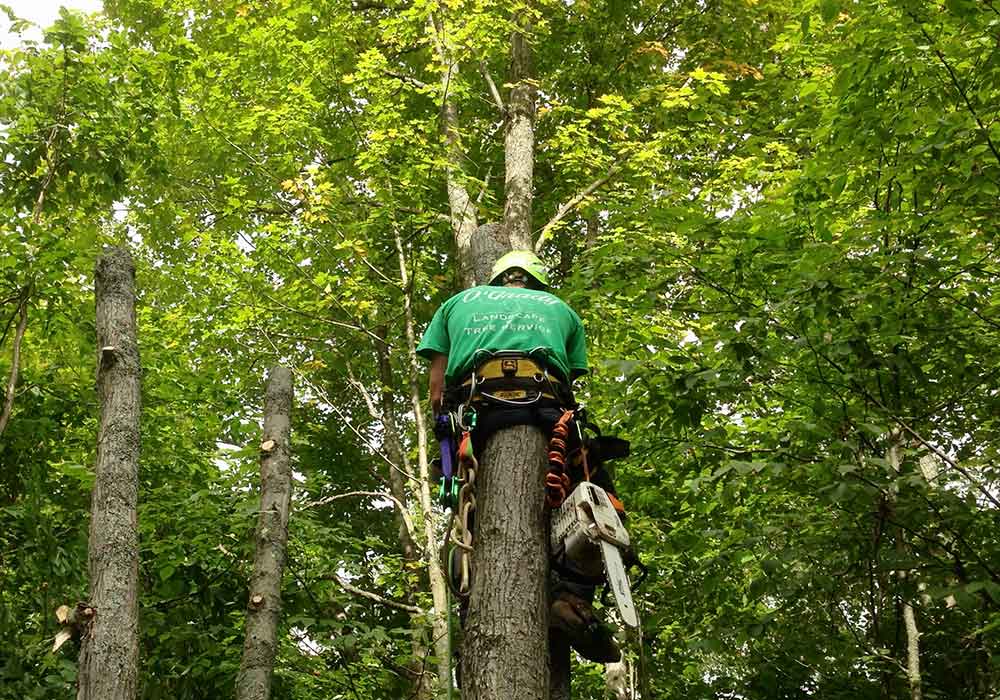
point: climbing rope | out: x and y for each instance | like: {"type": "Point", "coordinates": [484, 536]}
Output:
{"type": "Point", "coordinates": [557, 481]}
{"type": "Point", "coordinates": [462, 530]}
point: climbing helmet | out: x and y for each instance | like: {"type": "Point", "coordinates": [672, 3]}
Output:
{"type": "Point", "coordinates": [524, 259]}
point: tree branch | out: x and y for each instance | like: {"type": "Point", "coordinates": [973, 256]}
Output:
{"type": "Point", "coordinates": [906, 427]}
{"type": "Point", "coordinates": [371, 596]}
{"type": "Point", "coordinates": [575, 201]}
{"type": "Point", "coordinates": [497, 100]}
{"type": "Point", "coordinates": [364, 440]}
{"type": "Point", "coordinates": [406, 79]}
{"type": "Point", "coordinates": [372, 494]}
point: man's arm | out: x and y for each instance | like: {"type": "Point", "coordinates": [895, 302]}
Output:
{"type": "Point", "coordinates": [576, 349]}
{"type": "Point", "coordinates": [438, 364]}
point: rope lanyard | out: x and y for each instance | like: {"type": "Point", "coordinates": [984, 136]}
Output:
{"type": "Point", "coordinates": [462, 533]}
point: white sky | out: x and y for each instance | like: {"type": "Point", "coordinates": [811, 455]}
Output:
{"type": "Point", "coordinates": [42, 13]}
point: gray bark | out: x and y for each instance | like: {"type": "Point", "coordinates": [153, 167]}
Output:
{"type": "Point", "coordinates": [617, 681]}
{"type": "Point", "coordinates": [506, 635]}
{"type": "Point", "coordinates": [519, 144]}
{"type": "Point", "coordinates": [488, 245]}
{"type": "Point", "coordinates": [264, 606]}
{"type": "Point", "coordinates": [109, 652]}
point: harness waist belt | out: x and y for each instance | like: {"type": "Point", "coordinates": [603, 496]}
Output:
{"type": "Point", "coordinates": [511, 368]}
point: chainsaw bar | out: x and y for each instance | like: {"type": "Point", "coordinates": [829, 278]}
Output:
{"type": "Point", "coordinates": [618, 581]}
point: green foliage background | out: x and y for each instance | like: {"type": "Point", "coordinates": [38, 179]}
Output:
{"type": "Point", "coordinates": [788, 270]}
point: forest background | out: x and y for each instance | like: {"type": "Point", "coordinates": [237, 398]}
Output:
{"type": "Point", "coordinates": [777, 220]}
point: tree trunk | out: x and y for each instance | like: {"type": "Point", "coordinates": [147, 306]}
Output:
{"type": "Point", "coordinates": [264, 607]}
{"type": "Point", "coordinates": [423, 687]}
{"type": "Point", "coordinates": [460, 204]}
{"type": "Point", "coordinates": [439, 592]}
{"type": "Point", "coordinates": [519, 143]}
{"type": "Point", "coordinates": [505, 649]}
{"type": "Point", "coordinates": [506, 636]}
{"type": "Point", "coordinates": [895, 460]}
{"type": "Point", "coordinates": [15, 360]}
{"type": "Point", "coordinates": [488, 245]}
{"type": "Point", "coordinates": [109, 652]}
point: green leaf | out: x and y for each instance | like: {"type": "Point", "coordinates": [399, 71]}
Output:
{"type": "Point", "coordinates": [829, 9]}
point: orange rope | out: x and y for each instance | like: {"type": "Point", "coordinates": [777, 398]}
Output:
{"type": "Point", "coordinates": [557, 481]}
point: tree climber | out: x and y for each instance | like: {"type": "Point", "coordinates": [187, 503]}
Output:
{"type": "Point", "coordinates": [509, 351]}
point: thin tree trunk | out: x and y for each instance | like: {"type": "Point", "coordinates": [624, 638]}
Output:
{"type": "Point", "coordinates": [439, 593]}
{"type": "Point", "coordinates": [394, 448]}
{"type": "Point", "coordinates": [109, 652]}
{"type": "Point", "coordinates": [423, 687]}
{"type": "Point", "coordinates": [909, 616]}
{"type": "Point", "coordinates": [15, 360]}
{"type": "Point", "coordinates": [264, 607]}
{"type": "Point", "coordinates": [506, 639]}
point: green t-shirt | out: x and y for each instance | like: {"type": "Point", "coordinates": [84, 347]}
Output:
{"type": "Point", "coordinates": [482, 320]}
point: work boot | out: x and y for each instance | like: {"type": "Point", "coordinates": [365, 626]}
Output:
{"type": "Point", "coordinates": [590, 637]}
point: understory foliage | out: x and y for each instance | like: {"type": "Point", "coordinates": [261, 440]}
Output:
{"type": "Point", "coordinates": [785, 271]}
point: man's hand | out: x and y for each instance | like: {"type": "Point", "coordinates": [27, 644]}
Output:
{"type": "Point", "coordinates": [438, 365]}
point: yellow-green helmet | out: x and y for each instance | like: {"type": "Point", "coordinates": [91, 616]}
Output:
{"type": "Point", "coordinates": [524, 259]}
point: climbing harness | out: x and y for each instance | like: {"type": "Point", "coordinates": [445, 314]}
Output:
{"type": "Point", "coordinates": [510, 378]}
{"type": "Point", "coordinates": [587, 535]}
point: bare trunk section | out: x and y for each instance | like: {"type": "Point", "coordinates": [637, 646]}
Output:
{"type": "Point", "coordinates": [109, 652]}
{"type": "Point", "coordinates": [489, 245]}
{"type": "Point", "coordinates": [506, 638]}
{"type": "Point", "coordinates": [894, 458]}
{"type": "Point", "coordinates": [264, 607]}
{"type": "Point", "coordinates": [15, 360]}
{"type": "Point", "coordinates": [439, 593]}
{"type": "Point", "coordinates": [912, 650]}
{"type": "Point", "coordinates": [519, 143]}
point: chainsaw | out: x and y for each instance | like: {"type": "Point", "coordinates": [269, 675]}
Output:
{"type": "Point", "coordinates": [585, 523]}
